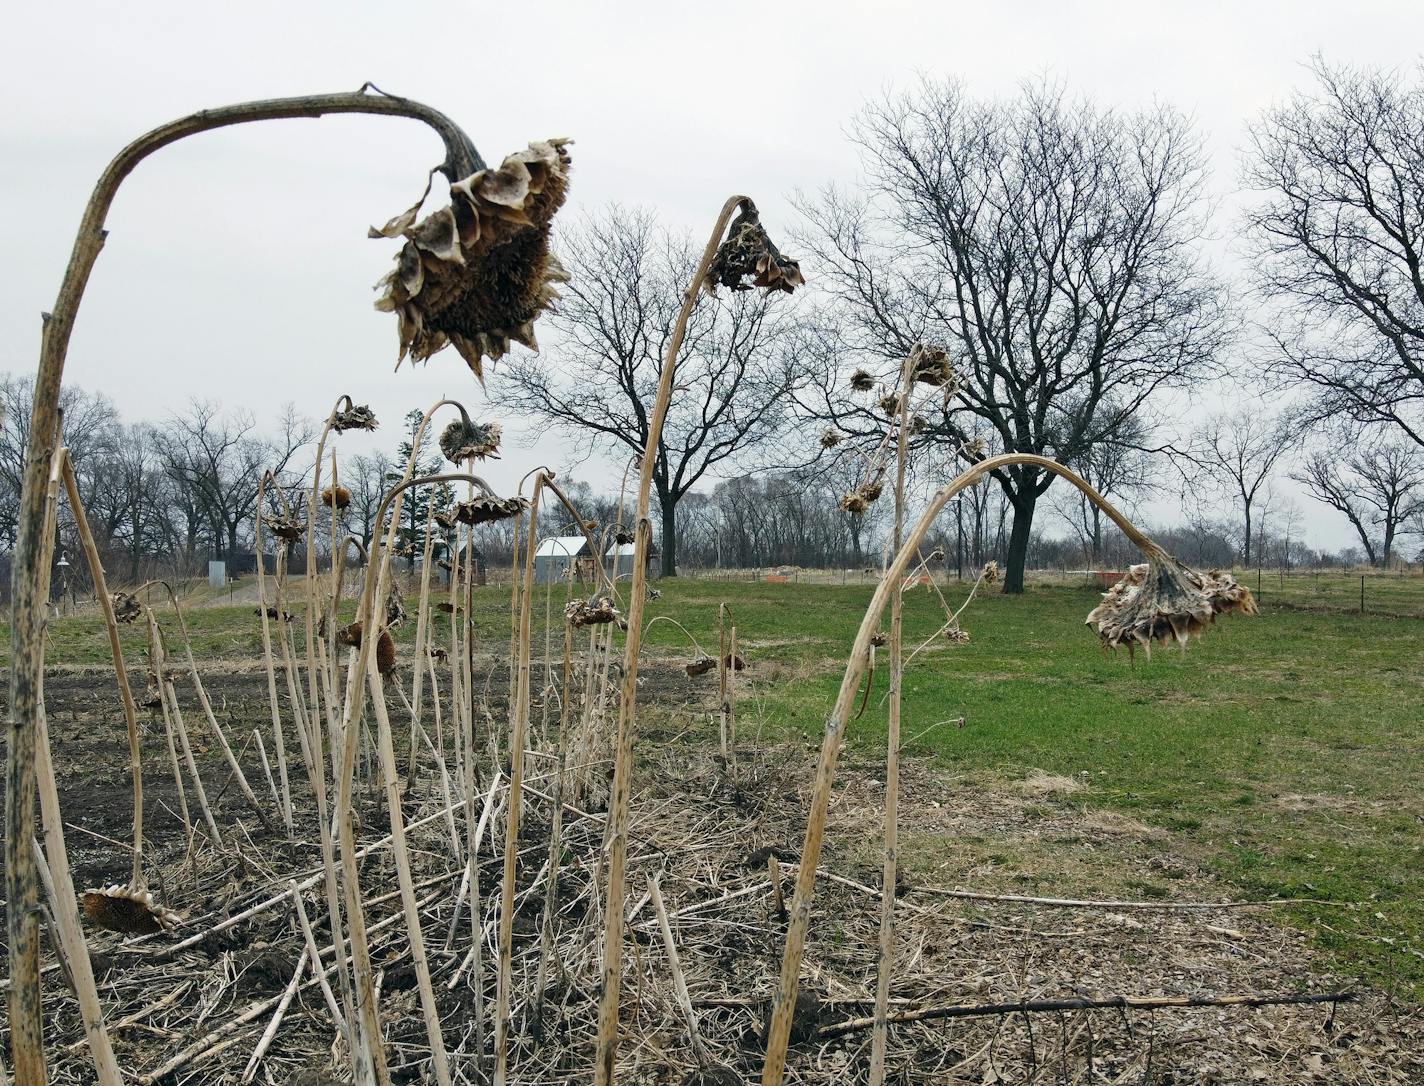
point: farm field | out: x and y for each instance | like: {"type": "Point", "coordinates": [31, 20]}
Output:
{"type": "Point", "coordinates": [1281, 754]}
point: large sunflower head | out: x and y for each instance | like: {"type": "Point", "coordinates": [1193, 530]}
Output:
{"type": "Point", "coordinates": [1165, 600]}
{"type": "Point", "coordinates": [463, 440]}
{"type": "Point", "coordinates": [476, 275]}
{"type": "Point", "coordinates": [747, 258]}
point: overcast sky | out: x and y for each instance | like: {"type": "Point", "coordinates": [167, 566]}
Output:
{"type": "Point", "coordinates": [237, 265]}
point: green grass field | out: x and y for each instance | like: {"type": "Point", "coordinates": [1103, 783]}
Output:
{"type": "Point", "coordinates": [1282, 753]}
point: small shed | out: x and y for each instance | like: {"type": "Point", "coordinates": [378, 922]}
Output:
{"type": "Point", "coordinates": [620, 560]}
{"type": "Point", "coordinates": [560, 557]}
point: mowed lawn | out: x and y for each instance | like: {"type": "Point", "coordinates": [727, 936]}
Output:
{"type": "Point", "coordinates": [1284, 753]}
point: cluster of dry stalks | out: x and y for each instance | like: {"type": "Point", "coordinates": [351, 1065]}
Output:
{"type": "Point", "coordinates": [505, 938]}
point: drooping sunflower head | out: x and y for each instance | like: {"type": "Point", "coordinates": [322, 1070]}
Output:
{"type": "Point", "coordinates": [747, 258]}
{"type": "Point", "coordinates": [862, 381]}
{"type": "Point", "coordinates": [477, 274]}
{"type": "Point", "coordinates": [486, 509]}
{"type": "Point", "coordinates": [127, 909]}
{"type": "Point", "coordinates": [830, 438]}
{"type": "Point", "coordinates": [463, 440]}
{"type": "Point", "coordinates": [355, 417]}
{"type": "Point", "coordinates": [1164, 600]}
{"type": "Point", "coordinates": [336, 497]}
{"type": "Point", "coordinates": [126, 607]}
{"type": "Point", "coordinates": [930, 365]}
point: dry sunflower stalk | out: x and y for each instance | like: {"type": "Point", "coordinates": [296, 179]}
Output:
{"type": "Point", "coordinates": [476, 275]}
{"type": "Point", "coordinates": [126, 607]}
{"type": "Point", "coordinates": [1165, 600]}
{"type": "Point", "coordinates": [463, 440]}
{"type": "Point", "coordinates": [747, 258]}
{"type": "Point", "coordinates": [127, 909]}
{"type": "Point", "coordinates": [487, 509]}
{"type": "Point", "coordinates": [356, 417]}
{"type": "Point", "coordinates": [336, 497]}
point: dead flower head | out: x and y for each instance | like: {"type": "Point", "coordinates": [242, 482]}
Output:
{"type": "Point", "coordinates": [128, 910]}
{"type": "Point", "coordinates": [956, 636]}
{"type": "Point", "coordinates": [936, 555]}
{"type": "Point", "coordinates": [830, 438]}
{"type": "Point", "coordinates": [918, 424]}
{"type": "Point", "coordinates": [748, 254]}
{"type": "Point", "coordinates": [353, 418]}
{"type": "Point", "coordinates": [336, 497]}
{"type": "Point", "coordinates": [487, 509]}
{"type": "Point", "coordinates": [891, 404]}
{"type": "Point", "coordinates": [701, 666]}
{"type": "Point", "coordinates": [1165, 600]}
{"type": "Point", "coordinates": [126, 607]}
{"type": "Point", "coordinates": [930, 365]}
{"type": "Point", "coordinates": [598, 611]}
{"type": "Point", "coordinates": [974, 448]}
{"type": "Point", "coordinates": [623, 538]}
{"type": "Point", "coordinates": [477, 274]}
{"type": "Point", "coordinates": [862, 381]}
{"type": "Point", "coordinates": [990, 573]}
{"type": "Point", "coordinates": [350, 636]}
{"type": "Point", "coordinates": [853, 503]}
{"type": "Point", "coordinates": [287, 529]}
{"type": "Point", "coordinates": [273, 613]}
{"type": "Point", "coordinates": [879, 638]}
{"type": "Point", "coordinates": [463, 440]}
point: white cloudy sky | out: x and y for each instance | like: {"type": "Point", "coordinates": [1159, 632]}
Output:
{"type": "Point", "coordinates": [237, 265]}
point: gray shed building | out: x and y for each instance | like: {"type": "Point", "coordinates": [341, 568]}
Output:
{"type": "Point", "coordinates": [619, 560]}
{"type": "Point", "coordinates": [560, 557]}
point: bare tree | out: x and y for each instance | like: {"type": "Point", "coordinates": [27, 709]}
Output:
{"type": "Point", "coordinates": [1379, 488]}
{"type": "Point", "coordinates": [1340, 236]}
{"type": "Point", "coordinates": [218, 458]}
{"type": "Point", "coordinates": [614, 322]}
{"type": "Point", "coordinates": [367, 477]}
{"type": "Point", "coordinates": [1051, 245]}
{"type": "Point", "coordinates": [1119, 470]}
{"type": "Point", "coordinates": [1240, 451]}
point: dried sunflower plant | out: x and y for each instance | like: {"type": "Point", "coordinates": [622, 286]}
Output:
{"type": "Point", "coordinates": [475, 275]}
{"type": "Point", "coordinates": [1162, 600]}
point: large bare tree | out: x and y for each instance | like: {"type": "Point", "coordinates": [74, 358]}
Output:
{"type": "Point", "coordinates": [627, 277]}
{"type": "Point", "coordinates": [1240, 451]}
{"type": "Point", "coordinates": [1053, 248]}
{"type": "Point", "coordinates": [1340, 237]}
{"type": "Point", "coordinates": [1379, 487]}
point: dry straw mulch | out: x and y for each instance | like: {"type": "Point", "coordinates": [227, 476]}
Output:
{"type": "Point", "coordinates": [712, 836]}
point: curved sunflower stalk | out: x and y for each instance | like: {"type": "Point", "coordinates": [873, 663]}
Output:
{"type": "Point", "coordinates": [1165, 601]}
{"type": "Point", "coordinates": [745, 259]}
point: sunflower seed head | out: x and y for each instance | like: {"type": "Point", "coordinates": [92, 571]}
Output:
{"type": "Point", "coordinates": [353, 418]}
{"type": "Point", "coordinates": [830, 438]}
{"type": "Point", "coordinates": [126, 607]}
{"type": "Point", "coordinates": [862, 381]}
{"type": "Point", "coordinates": [1164, 600]}
{"type": "Point", "coordinates": [463, 440]}
{"type": "Point", "coordinates": [476, 275]}
{"type": "Point", "coordinates": [747, 258]}
{"type": "Point", "coordinates": [486, 509]}
{"type": "Point", "coordinates": [930, 365]}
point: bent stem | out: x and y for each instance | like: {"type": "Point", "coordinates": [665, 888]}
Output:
{"type": "Point", "coordinates": [27, 618]}
{"type": "Point", "coordinates": [606, 1051]}
{"type": "Point", "coordinates": [784, 1000]}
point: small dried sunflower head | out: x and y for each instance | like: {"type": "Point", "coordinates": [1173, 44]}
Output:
{"type": "Point", "coordinates": [974, 448]}
{"type": "Point", "coordinates": [477, 274]}
{"type": "Point", "coordinates": [126, 607]}
{"type": "Point", "coordinates": [356, 417]}
{"type": "Point", "coordinates": [701, 666]}
{"type": "Point", "coordinates": [879, 638]}
{"type": "Point", "coordinates": [918, 424]}
{"type": "Point", "coordinates": [891, 404]}
{"type": "Point", "coordinates": [747, 258]}
{"type": "Point", "coordinates": [463, 440]}
{"type": "Point", "coordinates": [1165, 600]}
{"type": "Point", "coordinates": [598, 611]}
{"type": "Point", "coordinates": [287, 529]}
{"type": "Point", "coordinates": [956, 636]}
{"type": "Point", "coordinates": [853, 503]}
{"type": "Point", "coordinates": [486, 509]}
{"type": "Point", "coordinates": [336, 497]}
{"type": "Point", "coordinates": [862, 381]}
{"type": "Point", "coordinates": [936, 555]}
{"type": "Point", "coordinates": [871, 490]}
{"type": "Point", "coordinates": [990, 573]}
{"type": "Point", "coordinates": [127, 909]}
{"type": "Point", "coordinates": [623, 538]}
{"type": "Point", "coordinates": [831, 438]}
{"type": "Point", "coordinates": [930, 365]}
